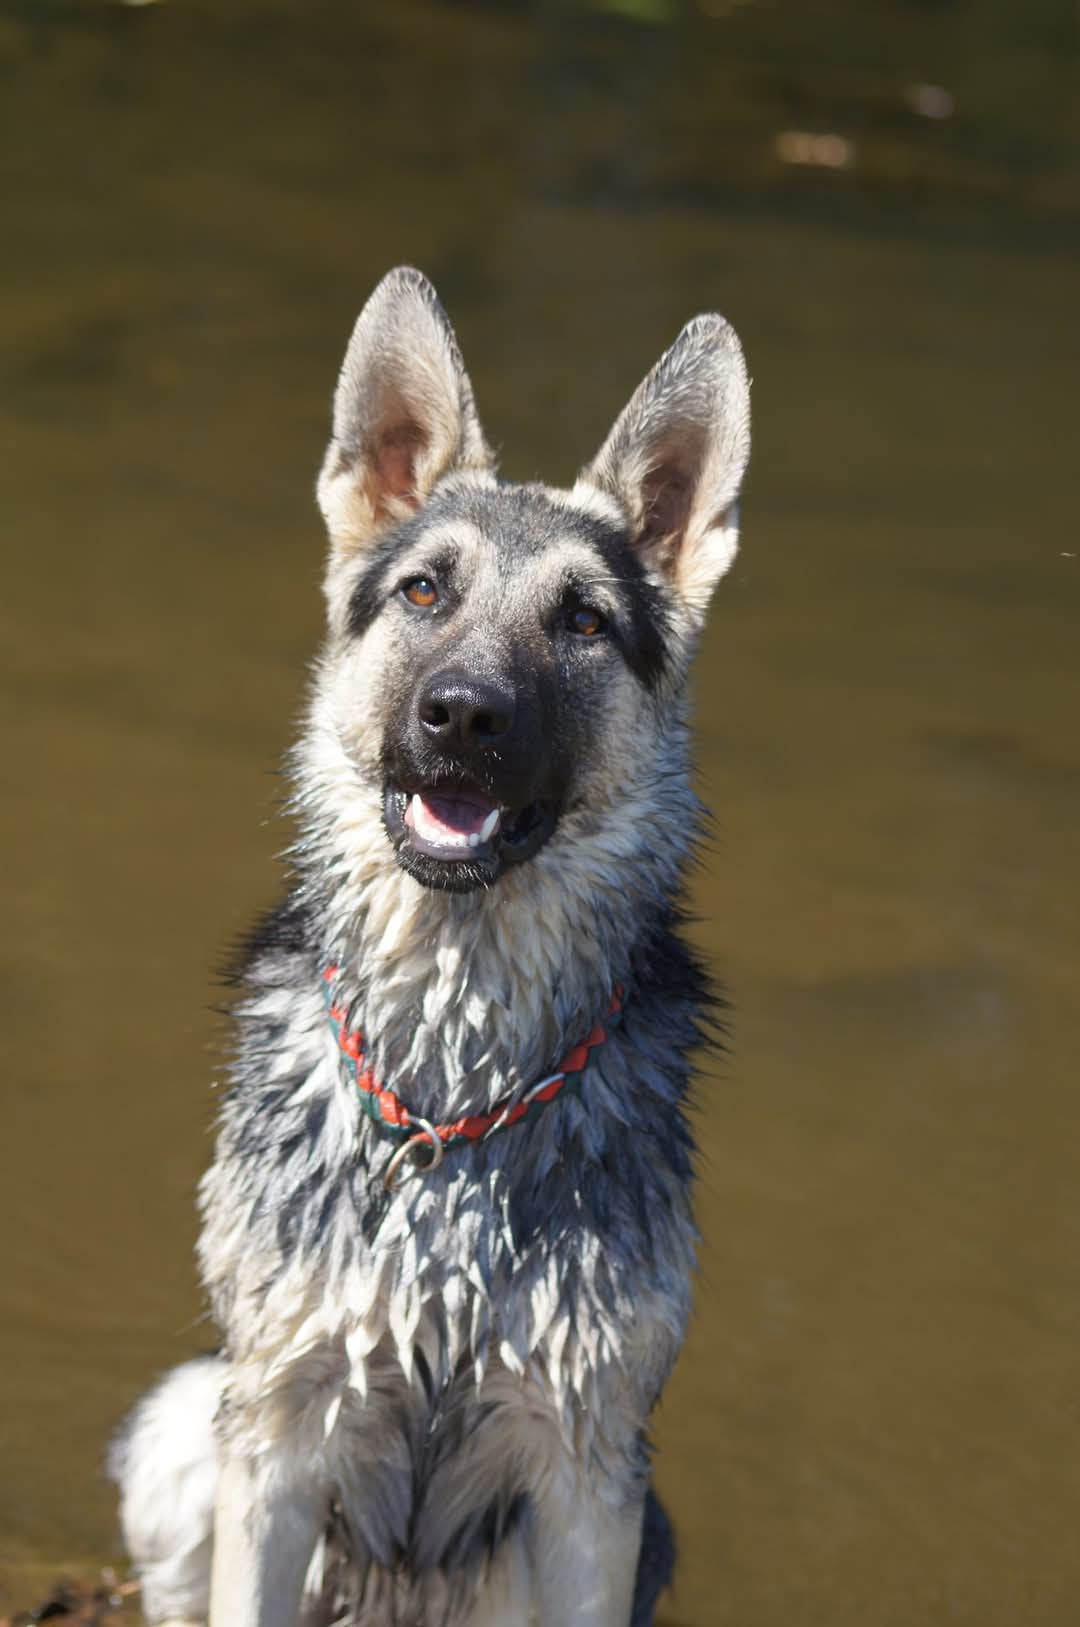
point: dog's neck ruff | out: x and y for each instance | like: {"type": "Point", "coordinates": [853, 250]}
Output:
{"type": "Point", "coordinates": [421, 1143]}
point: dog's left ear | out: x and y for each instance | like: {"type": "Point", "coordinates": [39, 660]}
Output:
{"type": "Point", "coordinates": [675, 460]}
{"type": "Point", "coordinates": [404, 414]}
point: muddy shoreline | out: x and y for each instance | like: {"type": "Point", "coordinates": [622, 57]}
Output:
{"type": "Point", "coordinates": [75, 1597]}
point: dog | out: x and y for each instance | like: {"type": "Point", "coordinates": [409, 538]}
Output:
{"type": "Point", "coordinates": [447, 1232]}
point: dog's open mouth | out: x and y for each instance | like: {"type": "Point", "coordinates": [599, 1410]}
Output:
{"type": "Point", "coordinates": [450, 827]}
{"type": "Point", "coordinates": [458, 838]}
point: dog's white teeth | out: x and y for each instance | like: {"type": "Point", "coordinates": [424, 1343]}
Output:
{"type": "Point", "coordinates": [431, 829]}
{"type": "Point", "coordinates": [489, 827]}
{"type": "Point", "coordinates": [474, 839]}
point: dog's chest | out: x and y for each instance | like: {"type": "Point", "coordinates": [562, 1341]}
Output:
{"type": "Point", "coordinates": [442, 1337]}
{"type": "Point", "coordinates": [428, 1355]}
{"type": "Point", "coordinates": [508, 1256]}
{"type": "Point", "coordinates": [434, 1312]}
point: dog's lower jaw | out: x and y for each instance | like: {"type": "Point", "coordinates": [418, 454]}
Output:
{"type": "Point", "coordinates": [446, 875]}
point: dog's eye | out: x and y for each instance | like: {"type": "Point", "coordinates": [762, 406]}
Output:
{"type": "Point", "coordinates": [421, 592]}
{"type": "Point", "coordinates": [586, 621]}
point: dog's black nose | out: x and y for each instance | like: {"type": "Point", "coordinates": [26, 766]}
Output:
{"type": "Point", "coordinates": [460, 713]}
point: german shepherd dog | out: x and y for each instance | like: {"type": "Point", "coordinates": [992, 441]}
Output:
{"type": "Point", "coordinates": [447, 1232]}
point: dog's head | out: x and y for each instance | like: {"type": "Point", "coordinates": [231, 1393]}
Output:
{"type": "Point", "coordinates": [504, 660]}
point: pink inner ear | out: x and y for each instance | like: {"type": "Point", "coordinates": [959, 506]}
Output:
{"type": "Point", "coordinates": [666, 499]}
{"type": "Point", "coordinates": [394, 471]}
{"type": "Point", "coordinates": [667, 491]}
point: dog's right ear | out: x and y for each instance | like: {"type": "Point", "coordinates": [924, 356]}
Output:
{"type": "Point", "coordinates": [403, 414]}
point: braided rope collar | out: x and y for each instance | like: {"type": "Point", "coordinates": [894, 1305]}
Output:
{"type": "Point", "coordinates": [422, 1144]}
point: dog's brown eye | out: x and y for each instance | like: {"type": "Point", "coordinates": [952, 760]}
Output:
{"type": "Point", "coordinates": [587, 622]}
{"type": "Point", "coordinates": [420, 592]}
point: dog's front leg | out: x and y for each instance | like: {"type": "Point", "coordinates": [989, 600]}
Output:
{"type": "Point", "coordinates": [264, 1536]}
{"type": "Point", "coordinates": [587, 1544]}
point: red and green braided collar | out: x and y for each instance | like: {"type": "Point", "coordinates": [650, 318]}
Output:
{"type": "Point", "coordinates": [389, 1112]}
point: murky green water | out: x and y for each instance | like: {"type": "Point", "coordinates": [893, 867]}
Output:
{"type": "Point", "coordinates": [875, 1421]}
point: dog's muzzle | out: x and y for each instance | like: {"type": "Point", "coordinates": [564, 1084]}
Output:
{"type": "Point", "coordinates": [470, 790]}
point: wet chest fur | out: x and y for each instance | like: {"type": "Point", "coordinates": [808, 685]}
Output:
{"type": "Point", "coordinates": [428, 1358]}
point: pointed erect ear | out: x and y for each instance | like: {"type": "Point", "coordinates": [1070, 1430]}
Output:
{"type": "Point", "coordinates": [676, 457]}
{"type": "Point", "coordinates": [403, 413]}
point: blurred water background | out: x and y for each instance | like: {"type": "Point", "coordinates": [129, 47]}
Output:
{"type": "Point", "coordinates": [875, 1422]}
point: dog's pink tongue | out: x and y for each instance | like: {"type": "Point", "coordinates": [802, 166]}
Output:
{"type": "Point", "coordinates": [445, 818]}
{"type": "Point", "coordinates": [452, 815]}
